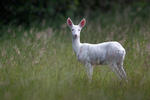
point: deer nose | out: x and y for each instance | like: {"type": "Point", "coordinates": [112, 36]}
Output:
{"type": "Point", "coordinates": [75, 36]}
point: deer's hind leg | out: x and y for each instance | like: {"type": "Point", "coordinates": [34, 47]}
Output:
{"type": "Point", "coordinates": [122, 71]}
{"type": "Point", "coordinates": [115, 69]}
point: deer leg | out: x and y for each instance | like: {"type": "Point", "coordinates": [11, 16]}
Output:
{"type": "Point", "coordinates": [89, 69]}
{"type": "Point", "coordinates": [123, 73]}
{"type": "Point", "coordinates": [116, 70]}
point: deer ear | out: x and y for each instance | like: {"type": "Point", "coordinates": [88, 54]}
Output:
{"type": "Point", "coordinates": [82, 23]}
{"type": "Point", "coordinates": [69, 22]}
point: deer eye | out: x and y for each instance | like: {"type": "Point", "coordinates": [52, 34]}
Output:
{"type": "Point", "coordinates": [72, 29]}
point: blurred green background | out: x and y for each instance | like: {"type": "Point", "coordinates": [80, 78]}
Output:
{"type": "Point", "coordinates": [28, 11]}
{"type": "Point", "coordinates": [37, 61]}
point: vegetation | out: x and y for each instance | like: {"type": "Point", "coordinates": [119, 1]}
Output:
{"type": "Point", "coordinates": [26, 12]}
{"type": "Point", "coordinates": [38, 63]}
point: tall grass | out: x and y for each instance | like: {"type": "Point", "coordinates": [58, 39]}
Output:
{"type": "Point", "coordinates": [40, 64]}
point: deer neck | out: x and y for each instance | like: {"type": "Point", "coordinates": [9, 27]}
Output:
{"type": "Point", "coordinates": [76, 44]}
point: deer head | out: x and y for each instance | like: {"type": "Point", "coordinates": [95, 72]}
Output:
{"type": "Point", "coordinates": [76, 29]}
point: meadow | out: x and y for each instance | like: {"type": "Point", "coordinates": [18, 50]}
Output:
{"type": "Point", "coordinates": [38, 63]}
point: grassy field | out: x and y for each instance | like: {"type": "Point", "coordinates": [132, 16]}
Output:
{"type": "Point", "coordinates": [38, 63]}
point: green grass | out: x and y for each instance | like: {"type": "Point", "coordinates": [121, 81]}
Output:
{"type": "Point", "coordinates": [39, 64]}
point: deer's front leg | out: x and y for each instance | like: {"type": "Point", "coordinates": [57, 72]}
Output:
{"type": "Point", "coordinates": [89, 69]}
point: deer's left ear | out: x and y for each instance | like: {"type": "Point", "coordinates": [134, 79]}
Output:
{"type": "Point", "coordinates": [82, 23]}
{"type": "Point", "coordinates": [69, 22]}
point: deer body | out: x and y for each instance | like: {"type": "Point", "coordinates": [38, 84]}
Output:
{"type": "Point", "coordinates": [100, 54]}
{"type": "Point", "coordinates": [106, 53]}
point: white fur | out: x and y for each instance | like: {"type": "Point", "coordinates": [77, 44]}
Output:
{"type": "Point", "coordinates": [106, 53]}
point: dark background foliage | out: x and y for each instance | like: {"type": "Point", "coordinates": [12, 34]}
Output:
{"type": "Point", "coordinates": [27, 11]}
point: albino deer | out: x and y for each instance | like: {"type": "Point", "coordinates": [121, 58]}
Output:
{"type": "Point", "coordinates": [106, 53]}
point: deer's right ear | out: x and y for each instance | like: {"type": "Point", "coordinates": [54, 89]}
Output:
{"type": "Point", "coordinates": [82, 23]}
{"type": "Point", "coordinates": [69, 22]}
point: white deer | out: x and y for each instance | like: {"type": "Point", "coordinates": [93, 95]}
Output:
{"type": "Point", "coordinates": [106, 53]}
